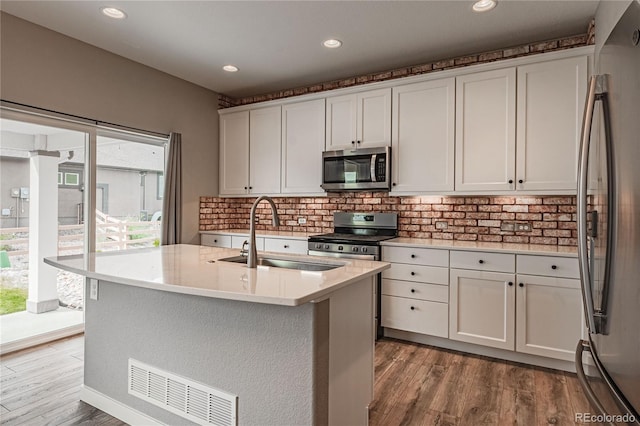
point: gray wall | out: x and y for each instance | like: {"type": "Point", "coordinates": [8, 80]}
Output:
{"type": "Point", "coordinates": [46, 69]}
{"type": "Point", "coordinates": [274, 358]}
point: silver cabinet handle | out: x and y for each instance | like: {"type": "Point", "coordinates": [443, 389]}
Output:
{"type": "Point", "coordinates": [583, 163]}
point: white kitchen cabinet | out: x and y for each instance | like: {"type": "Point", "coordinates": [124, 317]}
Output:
{"type": "Point", "coordinates": [250, 152]}
{"type": "Point", "coordinates": [359, 120]}
{"type": "Point", "coordinates": [234, 153]}
{"type": "Point", "coordinates": [215, 240]}
{"type": "Point", "coordinates": [265, 138]}
{"type": "Point", "coordinates": [303, 127]}
{"type": "Point", "coordinates": [550, 105]}
{"type": "Point", "coordinates": [284, 245]}
{"type": "Point", "coordinates": [486, 131]}
{"type": "Point", "coordinates": [482, 308]}
{"type": "Point", "coordinates": [549, 315]}
{"type": "Point", "coordinates": [415, 290]}
{"type": "Point", "coordinates": [423, 137]}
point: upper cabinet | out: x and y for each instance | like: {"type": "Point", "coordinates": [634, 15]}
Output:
{"type": "Point", "coordinates": [250, 152]}
{"type": "Point", "coordinates": [486, 131]}
{"type": "Point", "coordinates": [302, 145]}
{"type": "Point", "coordinates": [234, 153]}
{"type": "Point", "coordinates": [422, 137]}
{"type": "Point", "coordinates": [358, 120]}
{"type": "Point", "coordinates": [551, 98]}
{"type": "Point", "coordinates": [535, 149]}
{"type": "Point", "coordinates": [265, 138]}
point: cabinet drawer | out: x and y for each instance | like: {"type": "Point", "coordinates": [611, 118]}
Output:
{"type": "Point", "coordinates": [551, 266]}
{"type": "Point", "coordinates": [483, 261]}
{"type": "Point", "coordinates": [417, 273]}
{"type": "Point", "coordinates": [431, 292]}
{"type": "Point", "coordinates": [238, 240]}
{"type": "Point", "coordinates": [416, 256]}
{"type": "Point", "coordinates": [281, 245]}
{"type": "Point", "coordinates": [213, 240]}
{"type": "Point", "coordinates": [417, 316]}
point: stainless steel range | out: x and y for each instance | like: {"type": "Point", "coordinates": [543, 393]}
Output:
{"type": "Point", "coordinates": [357, 236]}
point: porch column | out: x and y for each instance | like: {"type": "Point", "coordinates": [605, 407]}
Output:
{"type": "Point", "coordinates": [43, 230]}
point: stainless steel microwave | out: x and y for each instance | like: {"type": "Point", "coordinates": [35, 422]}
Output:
{"type": "Point", "coordinates": [365, 169]}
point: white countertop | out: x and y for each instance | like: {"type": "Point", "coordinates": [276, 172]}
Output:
{"type": "Point", "coordinates": [263, 233]}
{"type": "Point", "coordinates": [536, 249]}
{"type": "Point", "coordinates": [188, 269]}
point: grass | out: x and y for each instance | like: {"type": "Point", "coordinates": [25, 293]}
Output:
{"type": "Point", "coordinates": [12, 300]}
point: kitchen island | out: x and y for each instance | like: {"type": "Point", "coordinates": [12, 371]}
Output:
{"type": "Point", "coordinates": [175, 335]}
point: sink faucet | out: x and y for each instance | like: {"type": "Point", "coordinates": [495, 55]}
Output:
{"type": "Point", "coordinates": [253, 253]}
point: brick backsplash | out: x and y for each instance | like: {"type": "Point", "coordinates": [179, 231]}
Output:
{"type": "Point", "coordinates": [478, 218]}
{"type": "Point", "coordinates": [588, 38]}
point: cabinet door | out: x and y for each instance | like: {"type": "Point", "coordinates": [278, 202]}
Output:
{"type": "Point", "coordinates": [341, 122]}
{"type": "Point", "coordinates": [549, 318]}
{"type": "Point", "coordinates": [215, 240]}
{"type": "Point", "coordinates": [423, 137]}
{"type": "Point", "coordinates": [482, 308]}
{"type": "Point", "coordinates": [234, 153]}
{"type": "Point", "coordinates": [550, 104]}
{"type": "Point", "coordinates": [373, 118]}
{"type": "Point", "coordinates": [485, 131]}
{"type": "Point", "coordinates": [265, 137]}
{"type": "Point", "coordinates": [282, 245]}
{"type": "Point", "coordinates": [302, 146]}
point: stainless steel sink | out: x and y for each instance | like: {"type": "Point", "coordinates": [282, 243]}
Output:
{"type": "Point", "coordinates": [284, 263]}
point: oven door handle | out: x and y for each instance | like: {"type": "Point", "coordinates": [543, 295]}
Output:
{"type": "Point", "coordinates": [342, 255]}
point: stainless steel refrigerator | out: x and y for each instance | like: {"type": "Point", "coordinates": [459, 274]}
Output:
{"type": "Point", "coordinates": [609, 227]}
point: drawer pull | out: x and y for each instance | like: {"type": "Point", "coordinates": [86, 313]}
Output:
{"type": "Point", "coordinates": [413, 273]}
{"type": "Point", "coordinates": [521, 285]}
{"type": "Point", "coordinates": [413, 290]}
{"type": "Point", "coordinates": [554, 267]}
{"type": "Point", "coordinates": [215, 241]}
{"type": "Point", "coordinates": [413, 256]}
{"type": "Point", "coordinates": [481, 261]}
{"type": "Point", "coordinates": [286, 246]}
{"type": "Point", "coordinates": [412, 308]}
{"type": "Point", "coordinates": [510, 283]}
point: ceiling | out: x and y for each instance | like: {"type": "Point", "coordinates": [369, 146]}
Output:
{"type": "Point", "coordinates": [278, 44]}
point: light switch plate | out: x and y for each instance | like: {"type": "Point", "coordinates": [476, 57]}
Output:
{"type": "Point", "coordinates": [93, 289]}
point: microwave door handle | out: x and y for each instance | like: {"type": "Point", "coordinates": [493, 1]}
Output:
{"type": "Point", "coordinates": [373, 167]}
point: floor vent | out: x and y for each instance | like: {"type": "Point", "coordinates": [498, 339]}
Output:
{"type": "Point", "coordinates": [192, 400]}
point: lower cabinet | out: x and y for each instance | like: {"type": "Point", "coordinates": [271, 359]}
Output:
{"type": "Point", "coordinates": [482, 308]}
{"type": "Point", "coordinates": [549, 320]}
{"type": "Point", "coordinates": [283, 245]}
{"type": "Point", "coordinates": [279, 245]}
{"type": "Point", "coordinates": [215, 240]}
{"type": "Point", "coordinates": [418, 316]}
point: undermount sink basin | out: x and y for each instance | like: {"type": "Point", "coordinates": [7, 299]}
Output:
{"type": "Point", "coordinates": [285, 263]}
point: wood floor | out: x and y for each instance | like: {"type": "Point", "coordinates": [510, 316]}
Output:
{"type": "Point", "coordinates": [415, 385]}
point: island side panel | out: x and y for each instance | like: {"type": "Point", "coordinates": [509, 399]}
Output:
{"type": "Point", "coordinates": [265, 354]}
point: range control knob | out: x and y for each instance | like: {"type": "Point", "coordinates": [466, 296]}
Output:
{"type": "Point", "coordinates": [364, 249]}
{"type": "Point", "coordinates": [340, 248]}
{"type": "Point", "coordinates": [326, 247]}
{"type": "Point", "coordinates": [318, 245]}
{"type": "Point", "coordinates": [355, 249]}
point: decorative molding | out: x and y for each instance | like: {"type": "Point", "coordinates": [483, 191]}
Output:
{"type": "Point", "coordinates": [115, 408]}
{"type": "Point", "coordinates": [580, 40]}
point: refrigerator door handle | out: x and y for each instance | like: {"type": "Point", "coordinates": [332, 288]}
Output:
{"type": "Point", "coordinates": [583, 346]}
{"type": "Point", "coordinates": [583, 163]}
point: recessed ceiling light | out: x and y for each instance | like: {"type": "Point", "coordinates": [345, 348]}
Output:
{"type": "Point", "coordinates": [114, 13]}
{"type": "Point", "coordinates": [332, 43]}
{"type": "Point", "coordinates": [230, 68]}
{"type": "Point", "coordinates": [484, 5]}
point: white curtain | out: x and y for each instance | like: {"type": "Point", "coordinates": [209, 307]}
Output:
{"type": "Point", "coordinates": [172, 207]}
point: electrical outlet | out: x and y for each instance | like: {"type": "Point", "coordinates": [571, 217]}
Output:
{"type": "Point", "coordinates": [302, 220]}
{"type": "Point", "coordinates": [93, 289]}
{"type": "Point", "coordinates": [523, 227]}
{"type": "Point", "coordinates": [442, 225]}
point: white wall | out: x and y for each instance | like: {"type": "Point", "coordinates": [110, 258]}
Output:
{"type": "Point", "coordinates": [42, 68]}
{"type": "Point", "coordinates": [607, 15]}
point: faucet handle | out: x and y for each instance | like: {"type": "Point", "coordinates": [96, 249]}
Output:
{"type": "Point", "coordinates": [244, 251]}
